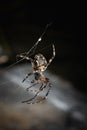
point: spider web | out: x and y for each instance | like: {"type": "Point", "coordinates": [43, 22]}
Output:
{"type": "Point", "coordinates": [33, 49]}
{"type": "Point", "coordinates": [13, 73]}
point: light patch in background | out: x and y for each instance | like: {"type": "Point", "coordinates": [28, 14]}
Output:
{"type": "Point", "coordinates": [62, 96]}
{"type": "Point", "coordinates": [49, 115]}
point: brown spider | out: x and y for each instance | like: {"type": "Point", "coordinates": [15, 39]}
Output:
{"type": "Point", "coordinates": [39, 64]}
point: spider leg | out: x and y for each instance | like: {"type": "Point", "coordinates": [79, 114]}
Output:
{"type": "Point", "coordinates": [24, 56]}
{"type": "Point", "coordinates": [34, 83]}
{"type": "Point", "coordinates": [50, 85]}
{"type": "Point", "coordinates": [40, 89]}
{"type": "Point", "coordinates": [45, 97]}
{"type": "Point", "coordinates": [38, 41]}
{"type": "Point", "coordinates": [27, 76]}
{"type": "Point", "coordinates": [52, 56]}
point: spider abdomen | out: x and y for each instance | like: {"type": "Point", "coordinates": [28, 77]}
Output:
{"type": "Point", "coordinates": [43, 79]}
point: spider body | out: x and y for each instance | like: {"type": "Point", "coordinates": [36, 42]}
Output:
{"type": "Point", "coordinates": [39, 64]}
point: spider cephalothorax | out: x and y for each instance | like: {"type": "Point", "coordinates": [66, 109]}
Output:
{"type": "Point", "coordinates": [39, 64]}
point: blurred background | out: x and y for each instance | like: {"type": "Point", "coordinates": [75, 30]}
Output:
{"type": "Point", "coordinates": [21, 24]}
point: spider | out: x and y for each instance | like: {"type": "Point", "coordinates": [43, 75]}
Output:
{"type": "Point", "coordinates": [39, 65]}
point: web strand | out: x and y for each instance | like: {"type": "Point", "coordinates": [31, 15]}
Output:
{"type": "Point", "coordinates": [28, 52]}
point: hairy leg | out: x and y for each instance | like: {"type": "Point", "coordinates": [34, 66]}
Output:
{"type": "Point", "coordinates": [31, 99]}
{"type": "Point", "coordinates": [26, 77]}
{"type": "Point", "coordinates": [43, 98]}
{"type": "Point", "coordinates": [34, 83]}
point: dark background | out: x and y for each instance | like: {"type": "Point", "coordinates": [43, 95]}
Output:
{"type": "Point", "coordinates": [21, 23]}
